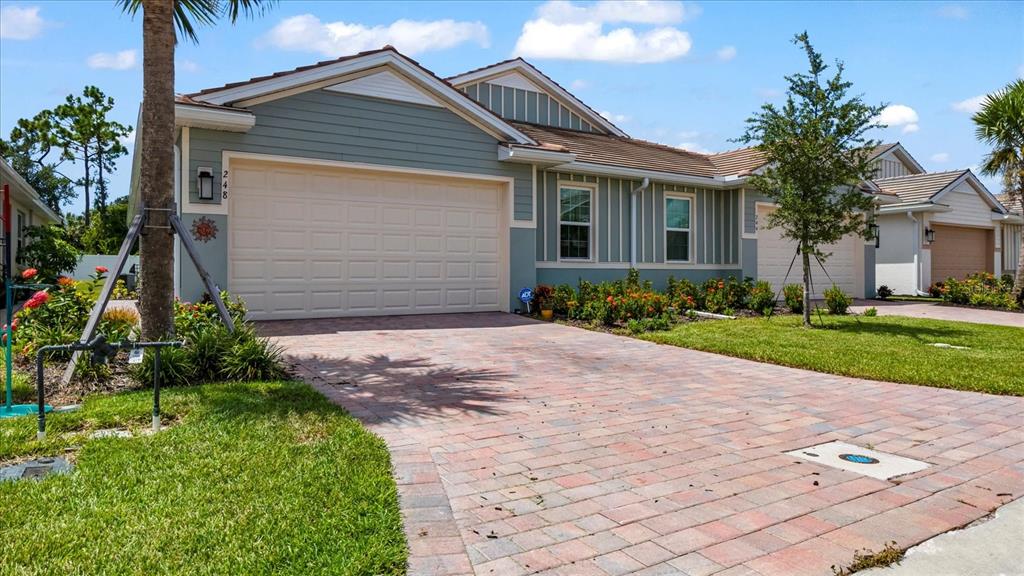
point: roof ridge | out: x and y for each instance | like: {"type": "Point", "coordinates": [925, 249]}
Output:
{"type": "Point", "coordinates": [923, 174]}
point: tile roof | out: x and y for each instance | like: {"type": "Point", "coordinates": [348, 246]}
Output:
{"type": "Point", "coordinates": [738, 162]}
{"type": "Point", "coordinates": [1016, 207]}
{"type": "Point", "coordinates": [617, 151]}
{"type": "Point", "coordinates": [918, 187]}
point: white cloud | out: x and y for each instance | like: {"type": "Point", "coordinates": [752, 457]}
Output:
{"type": "Point", "coordinates": [307, 33]}
{"type": "Point", "coordinates": [122, 60]}
{"type": "Point", "coordinates": [954, 12]}
{"type": "Point", "coordinates": [726, 53]}
{"type": "Point", "coordinates": [575, 32]}
{"type": "Point", "coordinates": [769, 93]}
{"type": "Point", "coordinates": [186, 65]}
{"type": "Point", "coordinates": [693, 147]}
{"type": "Point", "coordinates": [970, 105]}
{"type": "Point", "coordinates": [614, 118]}
{"type": "Point", "coordinates": [129, 140]}
{"type": "Point", "coordinates": [579, 84]}
{"type": "Point", "coordinates": [940, 157]}
{"type": "Point", "coordinates": [895, 115]}
{"type": "Point", "coordinates": [638, 12]}
{"type": "Point", "coordinates": [18, 23]}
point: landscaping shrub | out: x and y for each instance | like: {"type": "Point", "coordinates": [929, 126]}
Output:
{"type": "Point", "coordinates": [871, 312]}
{"type": "Point", "coordinates": [794, 295]}
{"type": "Point", "coordinates": [177, 367]}
{"type": "Point", "coordinates": [209, 348]}
{"type": "Point", "coordinates": [884, 292]}
{"type": "Point", "coordinates": [563, 298]}
{"type": "Point", "coordinates": [935, 290]}
{"type": "Point", "coordinates": [663, 322]}
{"type": "Point", "coordinates": [118, 323]}
{"type": "Point", "coordinates": [980, 289]}
{"type": "Point", "coordinates": [762, 298]}
{"type": "Point", "coordinates": [837, 301]}
{"type": "Point", "coordinates": [251, 358]}
{"type": "Point", "coordinates": [683, 294]}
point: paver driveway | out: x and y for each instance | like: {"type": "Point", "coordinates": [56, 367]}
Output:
{"type": "Point", "coordinates": [522, 446]}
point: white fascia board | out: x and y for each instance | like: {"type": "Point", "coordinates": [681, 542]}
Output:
{"type": "Point", "coordinates": [639, 174]}
{"type": "Point", "coordinates": [213, 118]}
{"type": "Point", "coordinates": [20, 185]}
{"type": "Point", "coordinates": [386, 58]}
{"type": "Point", "coordinates": [1008, 218]}
{"type": "Point", "coordinates": [919, 207]}
{"type": "Point", "coordinates": [543, 82]}
{"type": "Point", "coordinates": [534, 155]}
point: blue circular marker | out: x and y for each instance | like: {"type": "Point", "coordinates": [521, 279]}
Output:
{"type": "Point", "coordinates": [858, 458]}
{"type": "Point", "coordinates": [526, 295]}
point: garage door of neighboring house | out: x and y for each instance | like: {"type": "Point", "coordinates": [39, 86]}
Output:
{"type": "Point", "coordinates": [311, 242]}
{"type": "Point", "coordinates": [959, 251]}
{"type": "Point", "coordinates": [775, 253]}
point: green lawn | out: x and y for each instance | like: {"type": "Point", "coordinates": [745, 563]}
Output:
{"type": "Point", "coordinates": [889, 348]}
{"type": "Point", "coordinates": [265, 478]}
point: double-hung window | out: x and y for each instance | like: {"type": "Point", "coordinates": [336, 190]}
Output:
{"type": "Point", "coordinates": [677, 229]}
{"type": "Point", "coordinates": [574, 216]}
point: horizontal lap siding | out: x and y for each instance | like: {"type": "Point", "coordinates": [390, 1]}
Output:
{"type": "Point", "coordinates": [715, 227]}
{"type": "Point", "coordinates": [343, 127]}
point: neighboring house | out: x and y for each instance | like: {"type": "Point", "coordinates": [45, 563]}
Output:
{"type": "Point", "coordinates": [368, 185]}
{"type": "Point", "coordinates": [945, 224]}
{"type": "Point", "coordinates": [26, 207]}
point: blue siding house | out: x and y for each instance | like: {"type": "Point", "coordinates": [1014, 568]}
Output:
{"type": "Point", "coordinates": [367, 185]}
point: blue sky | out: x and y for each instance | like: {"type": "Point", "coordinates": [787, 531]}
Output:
{"type": "Point", "coordinates": [684, 74]}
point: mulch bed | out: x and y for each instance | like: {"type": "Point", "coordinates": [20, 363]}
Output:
{"type": "Point", "coordinates": [58, 394]}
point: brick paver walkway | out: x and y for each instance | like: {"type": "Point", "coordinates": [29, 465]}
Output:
{"type": "Point", "coordinates": [523, 447]}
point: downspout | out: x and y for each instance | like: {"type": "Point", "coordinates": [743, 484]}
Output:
{"type": "Point", "coordinates": [632, 220]}
{"type": "Point", "coordinates": [917, 253]}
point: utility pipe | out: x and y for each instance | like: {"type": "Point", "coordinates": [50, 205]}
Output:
{"type": "Point", "coordinates": [917, 254]}
{"type": "Point", "coordinates": [632, 220]}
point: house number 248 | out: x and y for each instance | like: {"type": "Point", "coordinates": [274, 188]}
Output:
{"type": "Point", "coordinates": [224, 185]}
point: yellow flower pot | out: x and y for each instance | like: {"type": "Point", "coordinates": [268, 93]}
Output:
{"type": "Point", "coordinates": [547, 314]}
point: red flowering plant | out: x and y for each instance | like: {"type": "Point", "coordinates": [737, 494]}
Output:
{"type": "Point", "coordinates": [29, 274]}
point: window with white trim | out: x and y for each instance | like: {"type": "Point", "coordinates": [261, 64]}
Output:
{"type": "Point", "coordinates": [677, 229]}
{"type": "Point", "coordinates": [574, 227]}
{"type": "Point", "coordinates": [19, 231]}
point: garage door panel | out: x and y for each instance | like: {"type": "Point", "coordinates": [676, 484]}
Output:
{"type": "Point", "coordinates": [345, 243]}
{"type": "Point", "coordinates": [775, 256]}
{"type": "Point", "coordinates": [959, 251]}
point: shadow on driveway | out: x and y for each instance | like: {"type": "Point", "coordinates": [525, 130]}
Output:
{"type": "Point", "coordinates": [385, 389]}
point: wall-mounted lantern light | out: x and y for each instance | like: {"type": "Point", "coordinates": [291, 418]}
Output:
{"type": "Point", "coordinates": [875, 231]}
{"type": "Point", "coordinates": [204, 179]}
{"type": "Point", "coordinates": [929, 235]}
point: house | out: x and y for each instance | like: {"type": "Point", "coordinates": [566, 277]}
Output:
{"type": "Point", "coordinates": [368, 185]}
{"type": "Point", "coordinates": [27, 209]}
{"type": "Point", "coordinates": [945, 224]}
{"type": "Point", "coordinates": [1013, 234]}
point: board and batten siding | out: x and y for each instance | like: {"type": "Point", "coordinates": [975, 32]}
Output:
{"type": "Point", "coordinates": [526, 106]}
{"type": "Point", "coordinates": [887, 168]}
{"type": "Point", "coordinates": [1013, 243]}
{"type": "Point", "coordinates": [327, 125]}
{"type": "Point", "coordinates": [715, 225]}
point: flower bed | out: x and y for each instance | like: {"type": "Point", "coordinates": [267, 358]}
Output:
{"type": "Point", "coordinates": [982, 289]}
{"type": "Point", "coordinates": [57, 314]}
{"type": "Point", "coordinates": [634, 305]}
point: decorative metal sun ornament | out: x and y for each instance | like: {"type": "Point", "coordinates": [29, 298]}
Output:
{"type": "Point", "coordinates": [204, 229]}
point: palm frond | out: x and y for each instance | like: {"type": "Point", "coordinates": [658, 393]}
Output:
{"type": "Point", "coordinates": [190, 14]}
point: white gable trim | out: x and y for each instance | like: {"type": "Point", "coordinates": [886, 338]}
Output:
{"type": "Point", "coordinates": [385, 84]}
{"type": "Point", "coordinates": [533, 75]}
{"type": "Point", "coordinates": [980, 188]}
{"type": "Point", "coordinates": [316, 77]}
{"type": "Point", "coordinates": [515, 80]}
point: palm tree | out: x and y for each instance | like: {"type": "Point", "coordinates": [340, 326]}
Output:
{"type": "Point", "coordinates": [156, 250]}
{"type": "Point", "coordinates": [1000, 124]}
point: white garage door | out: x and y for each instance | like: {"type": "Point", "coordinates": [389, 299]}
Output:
{"type": "Point", "coordinates": [774, 254]}
{"type": "Point", "coordinates": [322, 242]}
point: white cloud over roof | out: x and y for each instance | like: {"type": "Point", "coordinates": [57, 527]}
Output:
{"type": "Point", "coordinates": [308, 33]}
{"type": "Point", "coordinates": [569, 31]}
{"type": "Point", "coordinates": [899, 115]}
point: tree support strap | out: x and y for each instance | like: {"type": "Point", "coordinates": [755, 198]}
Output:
{"type": "Point", "coordinates": [134, 230]}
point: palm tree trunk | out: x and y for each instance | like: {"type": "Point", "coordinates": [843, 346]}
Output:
{"type": "Point", "coordinates": [156, 253]}
{"type": "Point", "coordinates": [806, 262]}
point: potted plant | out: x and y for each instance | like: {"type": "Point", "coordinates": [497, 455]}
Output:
{"type": "Point", "coordinates": [543, 297]}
